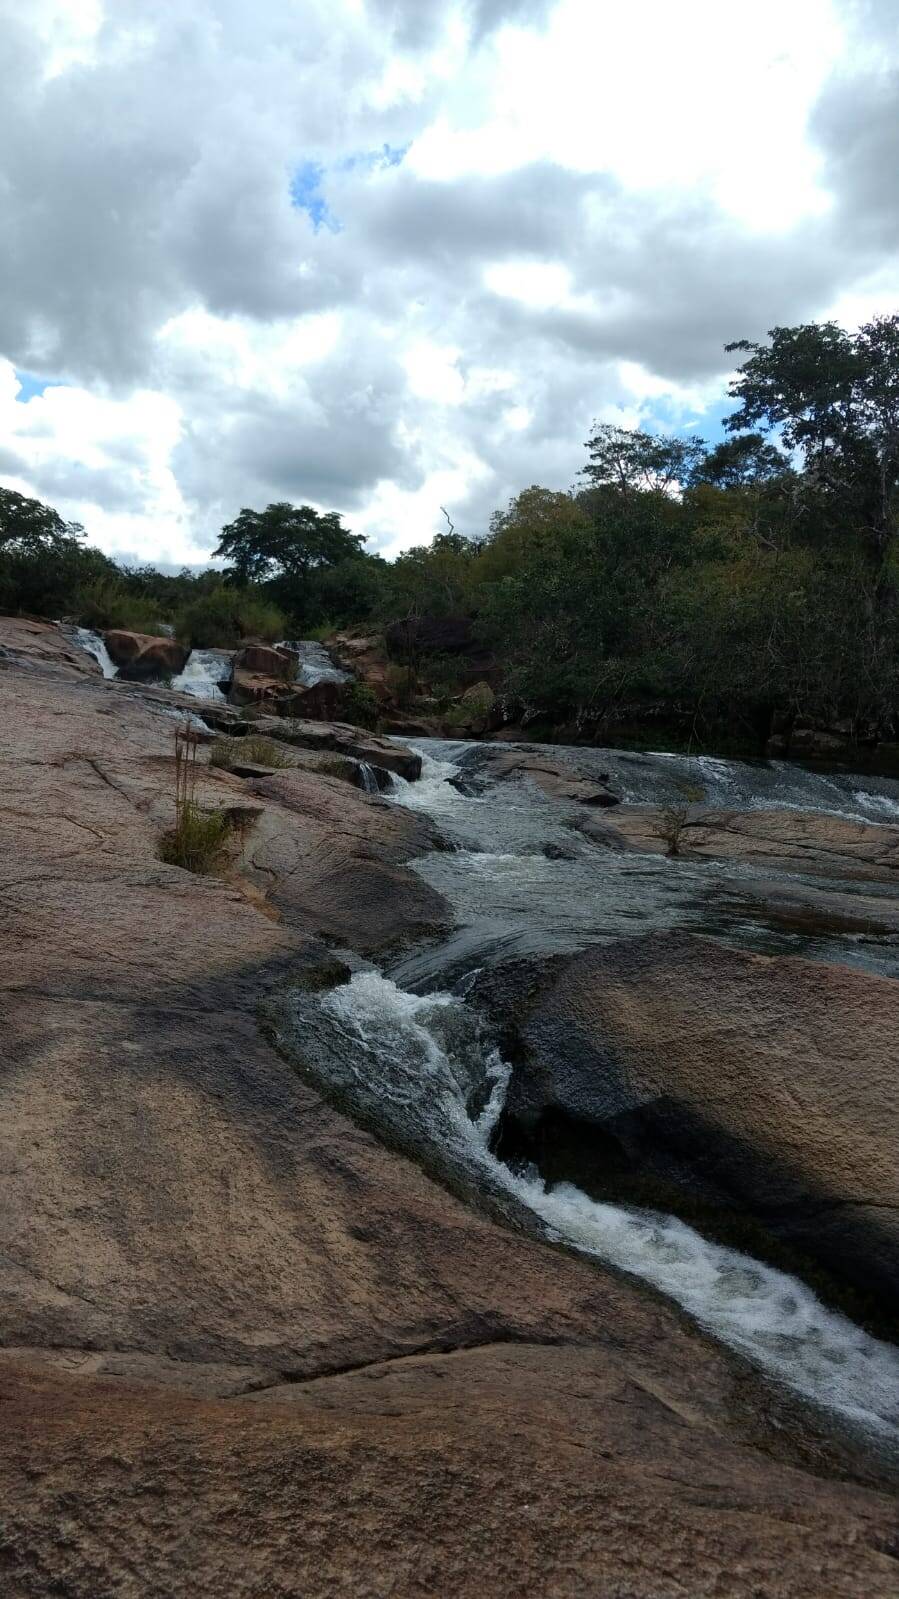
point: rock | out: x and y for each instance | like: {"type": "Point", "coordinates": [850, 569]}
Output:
{"type": "Point", "coordinates": [331, 860]}
{"type": "Point", "coordinates": [812, 841]}
{"type": "Point", "coordinates": [765, 1084]}
{"type": "Point", "coordinates": [266, 661]}
{"type": "Point", "coordinates": [249, 1350]}
{"type": "Point", "coordinates": [256, 688]}
{"type": "Point", "coordinates": [319, 703]}
{"type": "Point", "coordinates": [141, 658]}
{"type": "Point", "coordinates": [344, 739]}
{"type": "Point", "coordinates": [556, 778]}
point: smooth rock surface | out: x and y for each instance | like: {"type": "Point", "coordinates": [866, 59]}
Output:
{"type": "Point", "coordinates": [806, 841]}
{"type": "Point", "coordinates": [769, 1082]}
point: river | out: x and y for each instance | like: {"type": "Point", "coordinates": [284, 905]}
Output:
{"type": "Point", "coordinates": [404, 1050]}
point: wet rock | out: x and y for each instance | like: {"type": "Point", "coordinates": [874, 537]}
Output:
{"type": "Point", "coordinates": [266, 661]}
{"type": "Point", "coordinates": [141, 658]}
{"type": "Point", "coordinates": [556, 778]}
{"type": "Point", "coordinates": [319, 703]}
{"type": "Point", "coordinates": [766, 1083]}
{"type": "Point", "coordinates": [344, 739]}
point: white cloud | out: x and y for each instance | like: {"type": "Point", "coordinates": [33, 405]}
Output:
{"type": "Point", "coordinates": [592, 200]}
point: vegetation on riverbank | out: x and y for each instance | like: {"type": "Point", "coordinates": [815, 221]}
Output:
{"type": "Point", "coordinates": [677, 586]}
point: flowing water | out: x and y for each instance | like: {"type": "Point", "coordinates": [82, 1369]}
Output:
{"type": "Point", "coordinates": [315, 664]}
{"type": "Point", "coordinates": [406, 1052]}
{"type": "Point", "coordinates": [206, 676]}
{"type": "Point", "coordinates": [94, 645]}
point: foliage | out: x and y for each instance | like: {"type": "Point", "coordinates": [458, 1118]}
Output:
{"type": "Point", "coordinates": [284, 540]}
{"type": "Point", "coordinates": [359, 705]}
{"type": "Point", "coordinates": [108, 602]}
{"type": "Point", "coordinates": [220, 619]}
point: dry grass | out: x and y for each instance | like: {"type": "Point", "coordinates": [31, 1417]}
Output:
{"type": "Point", "coordinates": [254, 749]}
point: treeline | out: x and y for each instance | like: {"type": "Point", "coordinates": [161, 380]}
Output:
{"type": "Point", "coordinates": [722, 587]}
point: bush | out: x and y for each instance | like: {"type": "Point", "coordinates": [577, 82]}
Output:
{"type": "Point", "coordinates": [359, 705]}
{"type": "Point", "coordinates": [221, 619]}
{"type": "Point", "coordinates": [403, 683]}
{"type": "Point", "coordinates": [106, 603]}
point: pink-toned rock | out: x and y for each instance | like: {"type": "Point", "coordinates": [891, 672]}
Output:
{"type": "Point", "coordinates": [142, 657]}
{"type": "Point", "coordinates": [266, 660]}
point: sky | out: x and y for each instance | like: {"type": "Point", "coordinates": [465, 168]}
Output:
{"type": "Point", "coordinates": [388, 256]}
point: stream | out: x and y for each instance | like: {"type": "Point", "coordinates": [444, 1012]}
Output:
{"type": "Point", "coordinates": [404, 1051]}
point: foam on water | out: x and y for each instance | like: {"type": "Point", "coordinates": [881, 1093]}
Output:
{"type": "Point", "coordinates": [205, 671]}
{"type": "Point", "coordinates": [423, 1058]}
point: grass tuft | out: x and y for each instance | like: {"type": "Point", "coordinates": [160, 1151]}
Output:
{"type": "Point", "coordinates": [254, 748]}
{"type": "Point", "coordinates": [198, 837]}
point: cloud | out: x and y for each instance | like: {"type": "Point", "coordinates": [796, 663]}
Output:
{"type": "Point", "coordinates": [393, 255]}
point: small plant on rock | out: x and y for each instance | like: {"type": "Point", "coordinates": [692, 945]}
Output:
{"type": "Point", "coordinates": [673, 820]}
{"type": "Point", "coordinates": [198, 837]}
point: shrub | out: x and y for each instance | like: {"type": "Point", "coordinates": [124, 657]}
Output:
{"type": "Point", "coordinates": [221, 619]}
{"type": "Point", "coordinates": [359, 705]}
{"type": "Point", "coordinates": [196, 841]}
{"type": "Point", "coordinates": [106, 603]}
{"type": "Point", "coordinates": [255, 747]}
{"type": "Point", "coordinates": [673, 819]}
{"type": "Point", "coordinates": [403, 683]}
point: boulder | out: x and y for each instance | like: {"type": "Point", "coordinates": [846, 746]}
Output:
{"type": "Point", "coordinates": [555, 778]}
{"type": "Point", "coordinates": [764, 1084]}
{"type": "Point", "coordinates": [319, 703]}
{"type": "Point", "coordinates": [344, 739]}
{"type": "Point", "coordinates": [266, 660]}
{"type": "Point", "coordinates": [142, 658]}
{"type": "Point", "coordinates": [256, 688]}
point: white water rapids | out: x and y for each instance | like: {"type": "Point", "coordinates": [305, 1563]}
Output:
{"type": "Point", "coordinates": [427, 1062]}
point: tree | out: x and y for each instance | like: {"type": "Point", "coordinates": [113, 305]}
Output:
{"type": "Point", "coordinates": [28, 527]}
{"type": "Point", "coordinates": [740, 462]}
{"type": "Point", "coordinates": [835, 398]}
{"type": "Point", "coordinates": [636, 462]}
{"type": "Point", "coordinates": [286, 541]}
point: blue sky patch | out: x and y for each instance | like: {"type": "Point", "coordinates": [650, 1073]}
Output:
{"type": "Point", "coordinates": [306, 185]}
{"type": "Point", "coordinates": [30, 386]}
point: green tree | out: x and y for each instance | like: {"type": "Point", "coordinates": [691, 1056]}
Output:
{"type": "Point", "coordinates": [28, 527]}
{"type": "Point", "coordinates": [834, 396]}
{"type": "Point", "coordinates": [635, 462]}
{"type": "Point", "coordinates": [286, 541]}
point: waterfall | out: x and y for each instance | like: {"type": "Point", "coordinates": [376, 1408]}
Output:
{"type": "Point", "coordinates": [314, 663]}
{"type": "Point", "coordinates": [94, 645]}
{"type": "Point", "coordinates": [204, 674]}
{"type": "Point", "coordinates": [367, 778]}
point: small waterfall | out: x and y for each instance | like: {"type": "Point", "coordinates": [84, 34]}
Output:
{"type": "Point", "coordinates": [315, 664]}
{"type": "Point", "coordinates": [205, 673]}
{"type": "Point", "coordinates": [423, 1067]}
{"type": "Point", "coordinates": [94, 645]}
{"type": "Point", "coordinates": [367, 778]}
